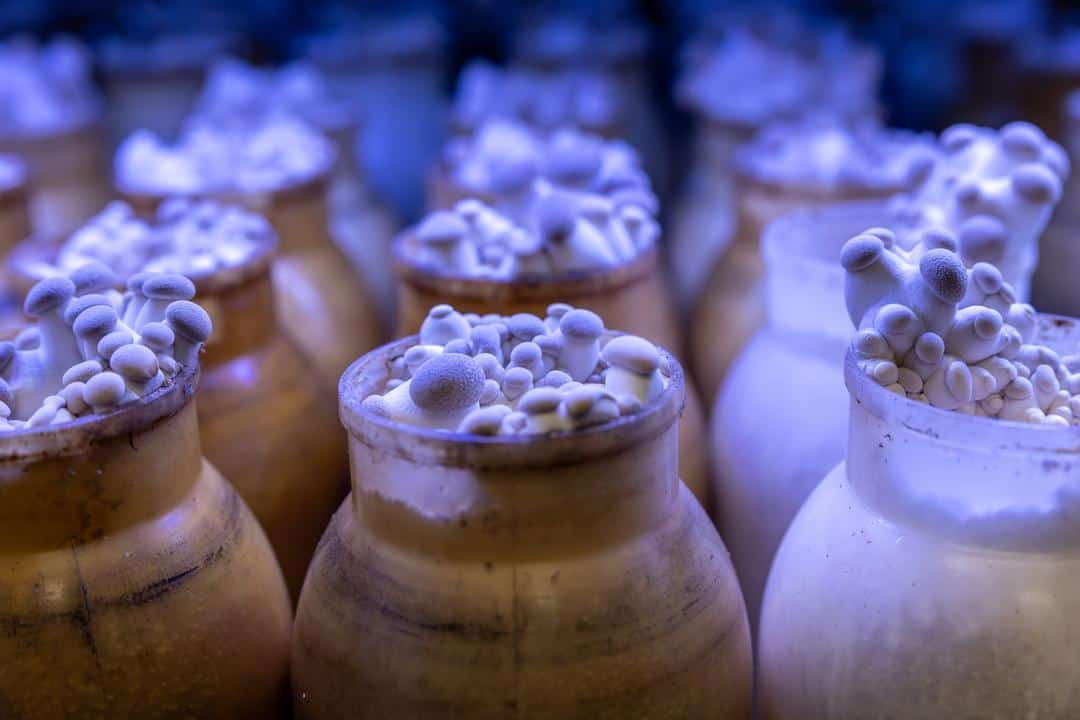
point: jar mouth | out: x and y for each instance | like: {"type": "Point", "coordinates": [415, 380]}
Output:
{"type": "Point", "coordinates": [524, 287]}
{"type": "Point", "coordinates": [369, 373]}
{"type": "Point", "coordinates": [75, 437]}
{"type": "Point", "coordinates": [951, 427]}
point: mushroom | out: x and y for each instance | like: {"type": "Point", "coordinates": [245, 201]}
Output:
{"type": "Point", "coordinates": [633, 364]}
{"type": "Point", "coordinates": [580, 330]}
{"type": "Point", "coordinates": [442, 325]}
{"type": "Point", "coordinates": [541, 408]}
{"type": "Point", "coordinates": [191, 326]}
{"type": "Point", "coordinates": [161, 291]}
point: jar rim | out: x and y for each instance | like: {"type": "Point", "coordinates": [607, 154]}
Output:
{"type": "Point", "coordinates": [951, 427]}
{"type": "Point", "coordinates": [75, 437]}
{"type": "Point", "coordinates": [455, 449]}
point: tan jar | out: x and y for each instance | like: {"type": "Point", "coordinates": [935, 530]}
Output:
{"type": "Point", "coordinates": [321, 302]}
{"type": "Point", "coordinates": [14, 228]}
{"type": "Point", "coordinates": [134, 582]}
{"type": "Point", "coordinates": [565, 576]}
{"type": "Point", "coordinates": [631, 297]}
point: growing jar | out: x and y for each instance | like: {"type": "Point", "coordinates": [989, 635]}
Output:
{"type": "Point", "coordinates": [787, 168]}
{"type": "Point", "coordinates": [933, 573]}
{"type": "Point", "coordinates": [14, 228]}
{"type": "Point", "coordinates": [135, 582]}
{"type": "Point", "coordinates": [266, 421]}
{"type": "Point", "coordinates": [321, 302]}
{"type": "Point", "coordinates": [779, 422]}
{"type": "Point", "coordinates": [631, 297]}
{"type": "Point", "coordinates": [569, 575]}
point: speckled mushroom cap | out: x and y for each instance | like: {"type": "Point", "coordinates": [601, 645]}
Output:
{"type": "Point", "coordinates": [826, 155]}
{"type": "Point", "coordinates": [47, 89]}
{"type": "Point", "coordinates": [447, 383]}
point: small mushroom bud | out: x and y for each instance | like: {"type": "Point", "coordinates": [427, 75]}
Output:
{"type": "Point", "coordinates": [161, 292]}
{"type": "Point", "coordinates": [157, 336]}
{"type": "Point", "coordinates": [486, 421]}
{"type": "Point", "coordinates": [81, 372]}
{"type": "Point", "coordinates": [442, 325]}
{"type": "Point", "coordinates": [103, 391]}
{"type": "Point", "coordinates": [113, 341]}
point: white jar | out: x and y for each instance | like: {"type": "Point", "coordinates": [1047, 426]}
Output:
{"type": "Point", "coordinates": [779, 421]}
{"type": "Point", "coordinates": [935, 574]}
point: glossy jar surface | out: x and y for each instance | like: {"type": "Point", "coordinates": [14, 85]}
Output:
{"type": "Point", "coordinates": [69, 176]}
{"type": "Point", "coordinates": [732, 304]}
{"type": "Point", "coordinates": [779, 421]}
{"type": "Point", "coordinates": [631, 297]}
{"type": "Point", "coordinates": [568, 576]}
{"type": "Point", "coordinates": [933, 574]}
{"type": "Point", "coordinates": [134, 582]}
{"type": "Point", "coordinates": [321, 302]}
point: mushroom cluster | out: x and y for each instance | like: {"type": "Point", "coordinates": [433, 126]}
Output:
{"type": "Point", "coordinates": [559, 231]}
{"type": "Point", "coordinates": [240, 95]}
{"type": "Point", "coordinates": [12, 172]}
{"type": "Point", "coordinates": [47, 89]}
{"type": "Point", "coordinates": [545, 101]}
{"type": "Point", "coordinates": [954, 337]}
{"type": "Point", "coordinates": [505, 375]}
{"type": "Point", "coordinates": [196, 238]}
{"type": "Point", "coordinates": [93, 348]}
{"type": "Point", "coordinates": [825, 152]}
{"type": "Point", "coordinates": [208, 159]}
{"type": "Point", "coordinates": [993, 190]}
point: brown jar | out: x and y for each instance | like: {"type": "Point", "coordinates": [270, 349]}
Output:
{"type": "Point", "coordinates": [14, 228]}
{"type": "Point", "coordinates": [631, 297]}
{"type": "Point", "coordinates": [564, 576]}
{"type": "Point", "coordinates": [267, 423]}
{"type": "Point", "coordinates": [321, 301]}
{"type": "Point", "coordinates": [134, 582]}
{"type": "Point", "coordinates": [68, 176]}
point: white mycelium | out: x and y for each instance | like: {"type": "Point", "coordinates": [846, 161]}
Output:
{"type": "Point", "coordinates": [93, 349]}
{"type": "Point", "coordinates": [46, 89]}
{"type": "Point", "coordinates": [545, 101]}
{"type": "Point", "coordinates": [207, 159]}
{"type": "Point", "coordinates": [994, 190]}
{"type": "Point", "coordinates": [956, 338]}
{"type": "Point", "coordinates": [505, 375]}
{"type": "Point", "coordinates": [240, 95]}
{"type": "Point", "coordinates": [195, 238]}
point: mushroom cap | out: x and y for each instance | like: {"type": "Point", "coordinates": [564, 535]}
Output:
{"type": "Point", "coordinates": [134, 362]}
{"type": "Point", "coordinates": [486, 421]}
{"type": "Point", "coordinates": [168, 286]}
{"type": "Point", "coordinates": [104, 389]}
{"type": "Point", "coordinates": [81, 372]}
{"type": "Point", "coordinates": [447, 383]}
{"type": "Point", "coordinates": [47, 295]}
{"type": "Point", "coordinates": [95, 321]}
{"type": "Point", "coordinates": [526, 353]}
{"type": "Point", "coordinates": [110, 343]}
{"type": "Point", "coordinates": [556, 379]}
{"type": "Point", "coordinates": [442, 227]}
{"type": "Point", "coordinates": [557, 310]}
{"type": "Point", "coordinates": [188, 320]}
{"type": "Point", "coordinates": [517, 378]}
{"type": "Point", "coordinates": [633, 353]}
{"type": "Point", "coordinates": [1022, 139]}
{"type": "Point", "coordinates": [1037, 183]}
{"type": "Point", "coordinates": [860, 252]}
{"type": "Point", "coordinates": [79, 304]}
{"type": "Point", "coordinates": [157, 336]}
{"type": "Point", "coordinates": [580, 401]}
{"type": "Point", "coordinates": [945, 274]}
{"type": "Point", "coordinates": [556, 215]}
{"type": "Point", "coordinates": [549, 344]}
{"type": "Point", "coordinates": [376, 405]}
{"type": "Point", "coordinates": [440, 311]}
{"type": "Point", "coordinates": [525, 326]}
{"type": "Point", "coordinates": [93, 277]}
{"type": "Point", "coordinates": [28, 338]}
{"type": "Point", "coordinates": [459, 346]}
{"type": "Point", "coordinates": [540, 400]}
{"type": "Point", "coordinates": [581, 325]}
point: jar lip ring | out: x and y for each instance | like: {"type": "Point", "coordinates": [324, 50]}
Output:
{"type": "Point", "coordinates": [474, 451]}
{"type": "Point", "coordinates": [75, 437]}
{"type": "Point", "coordinates": [951, 427]}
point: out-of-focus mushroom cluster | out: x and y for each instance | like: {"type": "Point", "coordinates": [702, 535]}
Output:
{"type": "Point", "coordinates": [937, 332]}
{"type": "Point", "coordinates": [93, 348]}
{"type": "Point", "coordinates": [46, 89]}
{"type": "Point", "coordinates": [12, 172]}
{"type": "Point", "coordinates": [506, 375]}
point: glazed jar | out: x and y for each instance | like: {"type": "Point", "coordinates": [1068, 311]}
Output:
{"type": "Point", "coordinates": [732, 304]}
{"type": "Point", "coordinates": [321, 303]}
{"type": "Point", "coordinates": [135, 582]}
{"type": "Point", "coordinates": [14, 228]}
{"type": "Point", "coordinates": [631, 297]}
{"type": "Point", "coordinates": [568, 575]}
{"type": "Point", "coordinates": [779, 422]}
{"type": "Point", "coordinates": [932, 574]}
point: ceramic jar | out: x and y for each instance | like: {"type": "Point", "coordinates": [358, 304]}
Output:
{"type": "Point", "coordinates": [779, 422]}
{"type": "Point", "coordinates": [321, 302]}
{"type": "Point", "coordinates": [568, 576]}
{"type": "Point", "coordinates": [134, 582]}
{"type": "Point", "coordinates": [934, 573]}
{"type": "Point", "coordinates": [68, 175]}
{"type": "Point", "coordinates": [631, 297]}
{"type": "Point", "coordinates": [14, 228]}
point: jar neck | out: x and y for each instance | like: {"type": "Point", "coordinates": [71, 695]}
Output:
{"type": "Point", "coordinates": [115, 483]}
{"type": "Point", "coordinates": [243, 316]}
{"type": "Point", "coordinates": [300, 217]}
{"type": "Point", "coordinates": [975, 481]}
{"type": "Point", "coordinates": [14, 219]}
{"type": "Point", "coordinates": [804, 298]}
{"type": "Point", "coordinates": [515, 513]}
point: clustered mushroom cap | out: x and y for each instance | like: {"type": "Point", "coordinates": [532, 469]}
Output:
{"type": "Point", "coordinates": [933, 331]}
{"type": "Point", "coordinates": [47, 89]}
{"type": "Point", "coordinates": [533, 385]}
{"type": "Point", "coordinates": [86, 354]}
